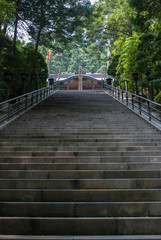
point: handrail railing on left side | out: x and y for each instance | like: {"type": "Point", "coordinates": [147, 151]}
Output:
{"type": "Point", "coordinates": [147, 109]}
{"type": "Point", "coordinates": [15, 106]}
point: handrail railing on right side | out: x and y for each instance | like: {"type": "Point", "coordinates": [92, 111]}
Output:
{"type": "Point", "coordinates": [15, 106]}
{"type": "Point", "coordinates": [149, 110]}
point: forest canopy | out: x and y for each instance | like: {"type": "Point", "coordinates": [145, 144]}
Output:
{"type": "Point", "coordinates": [124, 35]}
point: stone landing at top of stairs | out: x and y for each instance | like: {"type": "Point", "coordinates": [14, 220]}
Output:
{"type": "Point", "coordinates": [80, 166]}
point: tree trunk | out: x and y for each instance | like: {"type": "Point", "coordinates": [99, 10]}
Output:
{"type": "Point", "coordinates": [5, 29]}
{"type": "Point", "coordinates": [15, 33]}
{"type": "Point", "coordinates": [16, 25]}
{"type": "Point", "coordinates": [38, 38]}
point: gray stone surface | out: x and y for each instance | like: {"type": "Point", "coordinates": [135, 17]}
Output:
{"type": "Point", "coordinates": [80, 165]}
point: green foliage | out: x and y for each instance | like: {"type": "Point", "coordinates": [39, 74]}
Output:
{"type": "Point", "coordinates": [62, 21]}
{"type": "Point", "coordinates": [127, 58]}
{"type": "Point", "coordinates": [23, 60]}
{"type": "Point", "coordinates": [113, 65]}
{"type": "Point", "coordinates": [6, 11]}
{"type": "Point", "coordinates": [133, 28]}
{"type": "Point", "coordinates": [69, 60]}
{"type": "Point", "coordinates": [148, 13]}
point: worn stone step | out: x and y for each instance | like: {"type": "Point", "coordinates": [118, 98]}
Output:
{"type": "Point", "coordinates": [123, 137]}
{"type": "Point", "coordinates": [47, 132]}
{"type": "Point", "coordinates": [56, 134]}
{"type": "Point", "coordinates": [79, 148]}
{"type": "Point", "coordinates": [42, 139]}
{"type": "Point", "coordinates": [60, 132]}
{"type": "Point", "coordinates": [82, 209]}
{"type": "Point", "coordinates": [89, 159]}
{"type": "Point", "coordinates": [81, 153]}
{"type": "Point", "coordinates": [100, 237]}
{"type": "Point", "coordinates": [60, 209]}
{"type": "Point", "coordinates": [151, 183]}
{"type": "Point", "coordinates": [80, 166]}
{"type": "Point", "coordinates": [79, 174]}
{"type": "Point", "coordinates": [112, 125]}
{"type": "Point", "coordinates": [83, 195]}
{"type": "Point", "coordinates": [80, 144]}
{"type": "Point", "coordinates": [71, 226]}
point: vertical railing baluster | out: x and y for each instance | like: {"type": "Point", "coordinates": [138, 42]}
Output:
{"type": "Point", "coordinates": [37, 96]}
{"type": "Point", "coordinates": [149, 111]}
{"type": "Point", "coordinates": [127, 99]}
{"type": "Point", "coordinates": [19, 102]}
{"type": "Point", "coordinates": [32, 99]}
{"type": "Point", "coordinates": [26, 101]}
{"type": "Point", "coordinates": [119, 94]}
{"type": "Point", "coordinates": [140, 109]}
{"type": "Point", "coordinates": [122, 96]}
{"type": "Point", "coordinates": [8, 111]}
{"type": "Point", "coordinates": [132, 101]}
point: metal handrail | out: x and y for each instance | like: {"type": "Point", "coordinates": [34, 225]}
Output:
{"type": "Point", "coordinates": [147, 109]}
{"type": "Point", "coordinates": [15, 106]}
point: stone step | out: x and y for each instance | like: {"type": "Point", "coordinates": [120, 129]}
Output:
{"type": "Point", "coordinates": [81, 153]}
{"type": "Point", "coordinates": [89, 159]}
{"type": "Point", "coordinates": [81, 209]}
{"type": "Point", "coordinates": [79, 149]}
{"type": "Point", "coordinates": [83, 195]}
{"type": "Point", "coordinates": [42, 139]}
{"type": "Point", "coordinates": [116, 136]}
{"type": "Point", "coordinates": [100, 237]}
{"type": "Point", "coordinates": [80, 144]}
{"type": "Point", "coordinates": [71, 226]}
{"type": "Point", "coordinates": [80, 166]}
{"type": "Point", "coordinates": [100, 127]}
{"type": "Point", "coordinates": [145, 183]}
{"type": "Point", "coordinates": [76, 132]}
{"type": "Point", "coordinates": [79, 174]}
{"type": "Point", "coordinates": [135, 132]}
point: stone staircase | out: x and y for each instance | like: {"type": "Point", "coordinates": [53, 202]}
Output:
{"type": "Point", "coordinates": [80, 166]}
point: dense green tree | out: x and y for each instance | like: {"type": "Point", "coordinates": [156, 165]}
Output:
{"type": "Point", "coordinates": [6, 13]}
{"type": "Point", "coordinates": [62, 21]}
{"type": "Point", "coordinates": [148, 13]}
{"type": "Point", "coordinates": [90, 59]}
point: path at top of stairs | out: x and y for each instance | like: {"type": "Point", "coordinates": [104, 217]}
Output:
{"type": "Point", "coordinates": [80, 166]}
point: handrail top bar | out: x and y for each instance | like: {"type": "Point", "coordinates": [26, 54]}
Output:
{"type": "Point", "coordinates": [24, 95]}
{"type": "Point", "coordinates": [138, 96]}
{"type": "Point", "coordinates": [23, 103]}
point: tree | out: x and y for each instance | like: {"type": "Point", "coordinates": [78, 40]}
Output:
{"type": "Point", "coordinates": [148, 13]}
{"type": "Point", "coordinates": [58, 20]}
{"type": "Point", "coordinates": [69, 60]}
{"type": "Point", "coordinates": [6, 13]}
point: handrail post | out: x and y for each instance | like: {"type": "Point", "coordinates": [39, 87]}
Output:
{"type": "Point", "coordinates": [115, 92]}
{"type": "Point", "coordinates": [37, 96]}
{"type": "Point", "coordinates": [40, 94]}
{"type": "Point", "coordinates": [132, 101]}
{"type": "Point", "coordinates": [32, 99]}
{"type": "Point", "coordinates": [26, 101]}
{"type": "Point", "coordinates": [102, 84]}
{"type": "Point", "coordinates": [140, 109]}
{"type": "Point", "coordinates": [149, 111]}
{"type": "Point", "coordinates": [127, 99]}
{"type": "Point", "coordinates": [119, 94]}
{"type": "Point", "coordinates": [8, 112]}
{"type": "Point", "coordinates": [19, 102]}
